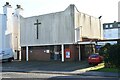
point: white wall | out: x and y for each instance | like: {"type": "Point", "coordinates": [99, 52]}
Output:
{"type": "Point", "coordinates": [118, 33]}
{"type": "Point", "coordinates": [55, 28]}
{"type": "Point", "coordinates": [111, 33]}
{"type": "Point", "coordinates": [90, 26]}
{"type": "Point", "coordinates": [7, 9]}
{"type": "Point", "coordinates": [15, 30]}
{"type": "Point", "coordinates": [1, 32]}
{"type": "Point", "coordinates": [59, 27]}
{"type": "Point", "coordinates": [119, 11]}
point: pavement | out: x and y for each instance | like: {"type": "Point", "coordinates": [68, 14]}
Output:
{"type": "Point", "coordinates": [56, 67]}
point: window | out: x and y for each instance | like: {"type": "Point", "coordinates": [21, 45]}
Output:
{"type": "Point", "coordinates": [111, 25]}
{"type": "Point", "coordinates": [118, 25]}
{"type": "Point", "coordinates": [106, 26]}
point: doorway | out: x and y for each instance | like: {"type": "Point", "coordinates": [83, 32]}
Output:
{"type": "Point", "coordinates": [55, 53]}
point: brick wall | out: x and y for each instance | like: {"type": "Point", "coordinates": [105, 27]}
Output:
{"type": "Point", "coordinates": [35, 53]}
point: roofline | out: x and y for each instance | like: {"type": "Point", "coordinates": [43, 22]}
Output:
{"type": "Point", "coordinates": [110, 23]}
{"type": "Point", "coordinates": [60, 12]}
{"type": "Point", "coordinates": [108, 40]}
{"type": "Point", "coordinates": [85, 13]}
{"type": "Point", "coordinates": [45, 44]}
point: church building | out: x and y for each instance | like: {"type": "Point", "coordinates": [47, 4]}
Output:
{"type": "Point", "coordinates": [67, 35]}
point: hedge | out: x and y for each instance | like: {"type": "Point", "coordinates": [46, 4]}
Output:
{"type": "Point", "coordinates": [111, 54]}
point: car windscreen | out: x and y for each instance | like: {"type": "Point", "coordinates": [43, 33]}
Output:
{"type": "Point", "coordinates": [94, 55]}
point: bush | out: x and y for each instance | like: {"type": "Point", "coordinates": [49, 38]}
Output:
{"type": "Point", "coordinates": [114, 55]}
{"type": "Point", "coordinates": [111, 54]}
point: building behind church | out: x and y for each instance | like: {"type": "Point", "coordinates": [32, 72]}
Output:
{"type": "Point", "coordinates": [6, 28]}
{"type": "Point", "coordinates": [111, 30]}
{"type": "Point", "coordinates": [9, 28]}
{"type": "Point", "coordinates": [66, 35]}
{"type": "Point", "coordinates": [111, 33]}
{"type": "Point", "coordinates": [2, 30]}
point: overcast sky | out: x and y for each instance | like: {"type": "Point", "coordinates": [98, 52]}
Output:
{"type": "Point", "coordinates": [107, 8]}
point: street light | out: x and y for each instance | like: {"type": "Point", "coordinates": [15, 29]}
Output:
{"type": "Point", "coordinates": [100, 17]}
{"type": "Point", "coordinates": [100, 24]}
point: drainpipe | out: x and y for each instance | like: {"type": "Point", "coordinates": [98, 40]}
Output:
{"type": "Point", "coordinates": [26, 53]}
{"type": "Point", "coordinates": [62, 48]}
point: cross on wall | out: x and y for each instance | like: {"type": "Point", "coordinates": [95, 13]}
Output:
{"type": "Point", "coordinates": [37, 24]}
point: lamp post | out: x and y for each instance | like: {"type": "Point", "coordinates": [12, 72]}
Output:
{"type": "Point", "coordinates": [100, 34]}
{"type": "Point", "coordinates": [100, 25]}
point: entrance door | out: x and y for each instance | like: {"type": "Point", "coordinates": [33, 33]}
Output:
{"type": "Point", "coordinates": [82, 52]}
{"type": "Point", "coordinates": [55, 53]}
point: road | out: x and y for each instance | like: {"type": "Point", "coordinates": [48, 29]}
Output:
{"type": "Point", "coordinates": [36, 70]}
{"type": "Point", "coordinates": [41, 76]}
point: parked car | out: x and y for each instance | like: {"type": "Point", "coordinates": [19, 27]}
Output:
{"type": "Point", "coordinates": [95, 59]}
{"type": "Point", "coordinates": [6, 55]}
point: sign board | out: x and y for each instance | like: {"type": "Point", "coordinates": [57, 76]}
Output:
{"type": "Point", "coordinates": [67, 54]}
{"type": "Point", "coordinates": [56, 52]}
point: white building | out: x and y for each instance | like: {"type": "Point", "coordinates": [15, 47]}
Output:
{"type": "Point", "coordinates": [9, 28]}
{"type": "Point", "coordinates": [111, 31]}
{"type": "Point", "coordinates": [2, 32]}
{"type": "Point", "coordinates": [43, 36]}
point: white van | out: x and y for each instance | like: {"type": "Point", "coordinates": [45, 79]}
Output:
{"type": "Point", "coordinates": [6, 55]}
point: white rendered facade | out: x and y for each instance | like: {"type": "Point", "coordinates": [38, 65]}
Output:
{"type": "Point", "coordinates": [9, 28]}
{"type": "Point", "coordinates": [2, 34]}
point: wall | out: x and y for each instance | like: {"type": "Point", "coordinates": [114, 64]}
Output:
{"type": "Point", "coordinates": [16, 28]}
{"type": "Point", "coordinates": [8, 25]}
{"type": "Point", "coordinates": [111, 30]}
{"type": "Point", "coordinates": [59, 27]}
{"type": "Point", "coordinates": [74, 52]}
{"type": "Point", "coordinates": [89, 25]}
{"type": "Point", "coordinates": [36, 53]}
{"type": "Point", "coordinates": [55, 28]}
{"type": "Point", "coordinates": [1, 32]}
{"type": "Point", "coordinates": [111, 33]}
{"type": "Point", "coordinates": [119, 11]}
{"type": "Point", "coordinates": [119, 33]}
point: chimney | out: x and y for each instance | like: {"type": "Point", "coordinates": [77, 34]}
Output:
{"type": "Point", "coordinates": [7, 4]}
{"type": "Point", "coordinates": [18, 6]}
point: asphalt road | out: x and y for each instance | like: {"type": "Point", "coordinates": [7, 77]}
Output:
{"type": "Point", "coordinates": [39, 76]}
{"type": "Point", "coordinates": [18, 71]}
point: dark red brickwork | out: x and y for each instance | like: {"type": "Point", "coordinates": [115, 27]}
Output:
{"type": "Point", "coordinates": [36, 53]}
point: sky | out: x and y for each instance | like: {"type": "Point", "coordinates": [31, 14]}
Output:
{"type": "Point", "coordinates": [108, 9]}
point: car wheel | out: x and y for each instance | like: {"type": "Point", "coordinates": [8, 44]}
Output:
{"type": "Point", "coordinates": [9, 60]}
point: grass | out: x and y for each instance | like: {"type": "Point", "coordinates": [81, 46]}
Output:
{"type": "Point", "coordinates": [108, 70]}
{"type": "Point", "coordinates": [101, 68]}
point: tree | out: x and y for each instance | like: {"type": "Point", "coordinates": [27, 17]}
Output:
{"type": "Point", "coordinates": [114, 55]}
{"type": "Point", "coordinates": [111, 54]}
